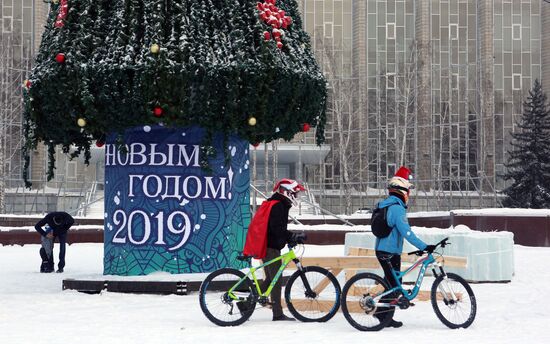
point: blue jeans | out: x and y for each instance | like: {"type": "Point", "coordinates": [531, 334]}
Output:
{"type": "Point", "coordinates": [62, 243]}
{"type": "Point", "coordinates": [49, 257]}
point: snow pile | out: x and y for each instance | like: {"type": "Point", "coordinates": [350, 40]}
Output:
{"type": "Point", "coordinates": [35, 310]}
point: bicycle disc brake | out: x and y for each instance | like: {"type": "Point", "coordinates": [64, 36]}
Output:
{"type": "Point", "coordinates": [367, 304]}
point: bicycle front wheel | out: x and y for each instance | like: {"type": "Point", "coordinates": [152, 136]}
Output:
{"type": "Point", "coordinates": [320, 302]}
{"type": "Point", "coordinates": [453, 301]}
{"type": "Point", "coordinates": [359, 304]}
{"type": "Point", "coordinates": [220, 307]}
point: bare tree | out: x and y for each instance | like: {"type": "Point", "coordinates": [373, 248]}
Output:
{"type": "Point", "coordinates": [405, 98]}
{"type": "Point", "coordinates": [397, 106]}
{"type": "Point", "coordinates": [342, 108]}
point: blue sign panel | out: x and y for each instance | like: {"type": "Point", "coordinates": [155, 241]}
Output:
{"type": "Point", "coordinates": [164, 212]}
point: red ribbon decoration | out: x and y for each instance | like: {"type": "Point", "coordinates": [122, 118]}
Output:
{"type": "Point", "coordinates": [274, 17]}
{"type": "Point", "coordinates": [63, 10]}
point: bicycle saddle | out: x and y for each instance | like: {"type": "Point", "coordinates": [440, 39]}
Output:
{"type": "Point", "coordinates": [244, 258]}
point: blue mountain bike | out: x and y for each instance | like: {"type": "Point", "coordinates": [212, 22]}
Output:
{"type": "Point", "coordinates": [368, 303]}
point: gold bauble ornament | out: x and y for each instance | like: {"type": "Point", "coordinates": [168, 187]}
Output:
{"type": "Point", "coordinates": [155, 48]}
{"type": "Point", "coordinates": [81, 122]}
{"type": "Point", "coordinates": [252, 121]}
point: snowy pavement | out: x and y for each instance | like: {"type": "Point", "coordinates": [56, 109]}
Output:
{"type": "Point", "coordinates": [34, 309]}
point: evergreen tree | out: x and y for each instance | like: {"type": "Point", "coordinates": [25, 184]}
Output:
{"type": "Point", "coordinates": [529, 165]}
{"type": "Point", "coordinates": [232, 66]}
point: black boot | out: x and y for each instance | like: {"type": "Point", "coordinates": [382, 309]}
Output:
{"type": "Point", "coordinates": [45, 267]}
{"type": "Point", "coordinates": [395, 324]}
{"type": "Point", "coordinates": [283, 317]}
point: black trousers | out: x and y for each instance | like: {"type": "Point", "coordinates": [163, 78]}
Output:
{"type": "Point", "coordinates": [50, 261]}
{"type": "Point", "coordinates": [270, 272]}
{"type": "Point", "coordinates": [389, 261]}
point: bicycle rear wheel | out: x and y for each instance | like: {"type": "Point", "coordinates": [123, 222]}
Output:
{"type": "Point", "coordinates": [321, 303]}
{"type": "Point", "coordinates": [358, 303]}
{"type": "Point", "coordinates": [453, 301]}
{"type": "Point", "coordinates": [216, 303]}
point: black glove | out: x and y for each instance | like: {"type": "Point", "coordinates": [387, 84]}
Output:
{"type": "Point", "coordinates": [298, 238]}
{"type": "Point", "coordinates": [430, 248]}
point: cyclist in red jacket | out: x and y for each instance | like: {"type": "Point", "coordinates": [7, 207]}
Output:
{"type": "Point", "coordinates": [268, 234]}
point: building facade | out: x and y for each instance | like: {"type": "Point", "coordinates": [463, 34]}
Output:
{"type": "Point", "coordinates": [436, 85]}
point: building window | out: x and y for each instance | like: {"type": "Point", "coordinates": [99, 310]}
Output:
{"type": "Point", "coordinates": [454, 131]}
{"type": "Point", "coordinates": [391, 168]}
{"type": "Point", "coordinates": [390, 81]}
{"type": "Point", "coordinates": [454, 81]}
{"type": "Point", "coordinates": [455, 170]}
{"type": "Point", "coordinates": [328, 30]}
{"type": "Point", "coordinates": [390, 30]}
{"type": "Point", "coordinates": [328, 172]}
{"type": "Point", "coordinates": [391, 131]}
{"type": "Point", "coordinates": [453, 31]}
{"type": "Point", "coordinates": [516, 81]}
{"type": "Point", "coordinates": [71, 170]}
{"type": "Point", "coordinates": [516, 31]}
{"type": "Point", "coordinates": [7, 24]}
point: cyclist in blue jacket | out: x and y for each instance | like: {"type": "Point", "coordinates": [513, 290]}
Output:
{"type": "Point", "coordinates": [389, 249]}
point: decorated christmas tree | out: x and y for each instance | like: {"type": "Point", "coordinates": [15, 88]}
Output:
{"type": "Point", "coordinates": [232, 66]}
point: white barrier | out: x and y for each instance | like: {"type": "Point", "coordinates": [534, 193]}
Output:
{"type": "Point", "coordinates": [490, 254]}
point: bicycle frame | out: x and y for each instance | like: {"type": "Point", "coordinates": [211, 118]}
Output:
{"type": "Point", "coordinates": [398, 275]}
{"type": "Point", "coordinates": [285, 258]}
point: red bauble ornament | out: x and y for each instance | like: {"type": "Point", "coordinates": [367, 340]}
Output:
{"type": "Point", "coordinates": [60, 58]}
{"type": "Point", "coordinates": [274, 23]}
{"type": "Point", "coordinates": [279, 45]}
{"type": "Point", "coordinates": [306, 127]}
{"type": "Point", "coordinates": [288, 20]}
{"type": "Point", "coordinates": [99, 143]}
{"type": "Point", "coordinates": [157, 111]}
{"type": "Point", "coordinates": [267, 35]}
{"type": "Point", "coordinates": [256, 144]}
{"type": "Point", "coordinates": [27, 83]}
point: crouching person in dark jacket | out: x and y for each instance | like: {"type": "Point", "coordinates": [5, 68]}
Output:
{"type": "Point", "coordinates": [59, 223]}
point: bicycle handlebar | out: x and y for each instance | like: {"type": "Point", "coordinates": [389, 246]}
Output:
{"type": "Point", "coordinates": [442, 243]}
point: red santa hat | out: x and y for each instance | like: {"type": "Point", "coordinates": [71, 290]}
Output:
{"type": "Point", "coordinates": [404, 173]}
{"type": "Point", "coordinates": [400, 182]}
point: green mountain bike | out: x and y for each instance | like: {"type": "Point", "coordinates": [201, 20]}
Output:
{"type": "Point", "coordinates": [228, 297]}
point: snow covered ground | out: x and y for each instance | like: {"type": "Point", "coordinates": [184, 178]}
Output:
{"type": "Point", "coordinates": [34, 309]}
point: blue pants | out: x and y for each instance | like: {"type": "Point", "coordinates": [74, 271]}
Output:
{"type": "Point", "coordinates": [48, 261]}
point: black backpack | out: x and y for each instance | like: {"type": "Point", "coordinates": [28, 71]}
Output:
{"type": "Point", "coordinates": [379, 223]}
